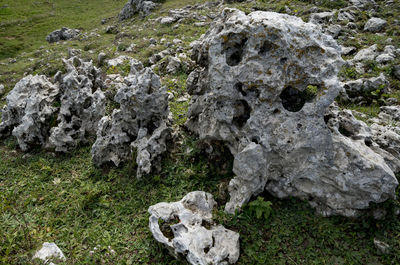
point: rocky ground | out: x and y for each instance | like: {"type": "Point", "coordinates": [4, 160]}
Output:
{"type": "Point", "coordinates": [87, 188]}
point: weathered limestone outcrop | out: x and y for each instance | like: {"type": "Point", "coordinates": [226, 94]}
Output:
{"type": "Point", "coordinates": [139, 126]}
{"type": "Point", "coordinates": [62, 34]}
{"type": "Point", "coordinates": [82, 105]}
{"type": "Point", "coordinates": [30, 111]}
{"type": "Point", "coordinates": [263, 85]}
{"type": "Point", "coordinates": [133, 7]}
{"type": "Point", "coordinates": [187, 230]}
{"type": "Point", "coordinates": [61, 115]}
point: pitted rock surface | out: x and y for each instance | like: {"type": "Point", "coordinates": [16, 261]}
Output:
{"type": "Point", "coordinates": [187, 230]}
{"type": "Point", "coordinates": [137, 6]}
{"type": "Point", "coordinates": [62, 34]}
{"type": "Point", "coordinates": [61, 115]}
{"type": "Point", "coordinates": [139, 126]}
{"type": "Point", "coordinates": [82, 105]}
{"type": "Point", "coordinates": [30, 111]}
{"type": "Point", "coordinates": [263, 85]}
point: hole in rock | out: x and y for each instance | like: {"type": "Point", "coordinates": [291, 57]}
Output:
{"type": "Point", "coordinates": [283, 60]}
{"type": "Point", "coordinates": [234, 53]}
{"type": "Point", "coordinates": [368, 141]}
{"type": "Point", "coordinates": [293, 99]}
{"type": "Point", "coordinates": [344, 131]}
{"type": "Point", "coordinates": [206, 224]}
{"type": "Point", "coordinates": [267, 47]}
{"type": "Point", "coordinates": [239, 87]}
{"type": "Point", "coordinates": [242, 113]}
{"type": "Point", "coordinates": [87, 103]}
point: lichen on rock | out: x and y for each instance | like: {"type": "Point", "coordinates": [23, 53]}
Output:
{"type": "Point", "coordinates": [262, 86]}
{"type": "Point", "coordinates": [139, 126]}
{"type": "Point", "coordinates": [187, 230]}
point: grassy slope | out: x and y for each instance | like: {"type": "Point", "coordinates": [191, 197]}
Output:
{"type": "Point", "coordinates": [64, 199]}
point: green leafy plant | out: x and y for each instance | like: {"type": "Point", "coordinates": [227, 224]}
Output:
{"type": "Point", "coordinates": [261, 208]}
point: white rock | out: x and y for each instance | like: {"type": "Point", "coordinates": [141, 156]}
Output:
{"type": "Point", "coordinates": [375, 24]}
{"type": "Point", "coordinates": [48, 252]}
{"type": "Point", "coordinates": [187, 230]}
{"type": "Point", "coordinates": [250, 92]}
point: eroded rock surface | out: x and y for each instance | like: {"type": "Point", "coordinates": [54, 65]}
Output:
{"type": "Point", "coordinates": [139, 126]}
{"type": "Point", "coordinates": [30, 111]}
{"type": "Point", "coordinates": [137, 6]}
{"type": "Point", "coordinates": [62, 34]}
{"type": "Point", "coordinates": [58, 115]}
{"type": "Point", "coordinates": [82, 105]}
{"type": "Point", "coordinates": [263, 85]}
{"type": "Point", "coordinates": [186, 228]}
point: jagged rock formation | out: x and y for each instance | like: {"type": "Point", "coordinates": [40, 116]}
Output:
{"type": "Point", "coordinates": [137, 6]}
{"type": "Point", "coordinates": [263, 84]}
{"type": "Point", "coordinates": [30, 111]}
{"type": "Point", "coordinates": [82, 105]}
{"type": "Point", "coordinates": [42, 114]}
{"type": "Point", "coordinates": [187, 230]}
{"type": "Point", "coordinates": [139, 126]}
{"type": "Point", "coordinates": [62, 34]}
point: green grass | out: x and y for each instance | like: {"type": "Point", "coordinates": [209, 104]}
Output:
{"type": "Point", "coordinates": [66, 200]}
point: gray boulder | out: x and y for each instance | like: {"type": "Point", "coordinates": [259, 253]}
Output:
{"type": "Point", "coordinates": [30, 111]}
{"type": "Point", "coordinates": [375, 24]}
{"type": "Point", "coordinates": [138, 127]}
{"type": "Point", "coordinates": [187, 230]}
{"type": "Point", "coordinates": [363, 90]}
{"type": "Point", "coordinates": [82, 105]}
{"type": "Point", "coordinates": [262, 87]}
{"type": "Point", "coordinates": [62, 34]}
{"type": "Point", "coordinates": [133, 7]}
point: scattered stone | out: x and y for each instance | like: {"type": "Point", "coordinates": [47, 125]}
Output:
{"type": "Point", "coordinates": [187, 230]}
{"type": "Point", "coordinates": [365, 89]}
{"type": "Point", "coordinates": [266, 101]}
{"type": "Point", "coordinates": [367, 54]}
{"type": "Point", "coordinates": [396, 71]}
{"type": "Point", "coordinates": [2, 90]}
{"type": "Point", "coordinates": [334, 30]}
{"type": "Point", "coordinates": [133, 7]}
{"type": "Point", "coordinates": [49, 252]}
{"type": "Point", "coordinates": [101, 58]}
{"type": "Point", "coordinates": [382, 247]}
{"type": "Point", "coordinates": [138, 127]}
{"type": "Point", "coordinates": [320, 18]}
{"type": "Point", "coordinates": [375, 24]}
{"type": "Point", "coordinates": [348, 50]}
{"type": "Point", "coordinates": [112, 29]}
{"type": "Point", "coordinates": [167, 20]}
{"type": "Point", "coordinates": [62, 34]}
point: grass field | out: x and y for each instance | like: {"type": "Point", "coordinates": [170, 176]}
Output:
{"type": "Point", "coordinates": [64, 199]}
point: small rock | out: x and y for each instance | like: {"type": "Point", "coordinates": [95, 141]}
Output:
{"type": "Point", "coordinates": [2, 90]}
{"type": "Point", "coordinates": [112, 30]}
{"type": "Point", "coordinates": [375, 24]}
{"type": "Point", "coordinates": [396, 71]}
{"type": "Point", "coordinates": [62, 34]}
{"type": "Point", "coordinates": [48, 252]}
{"type": "Point", "coordinates": [153, 41]}
{"type": "Point", "coordinates": [167, 20]}
{"type": "Point", "coordinates": [348, 50]}
{"type": "Point", "coordinates": [382, 247]}
{"type": "Point", "coordinates": [101, 58]}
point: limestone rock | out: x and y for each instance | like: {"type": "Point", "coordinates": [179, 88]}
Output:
{"type": "Point", "coordinates": [263, 84]}
{"type": "Point", "coordinates": [62, 34]}
{"type": "Point", "coordinates": [138, 127]}
{"type": "Point", "coordinates": [82, 105]}
{"type": "Point", "coordinates": [2, 89]}
{"type": "Point", "coordinates": [366, 54]}
{"type": "Point", "coordinates": [187, 230]}
{"type": "Point", "coordinates": [49, 252]}
{"type": "Point", "coordinates": [133, 7]}
{"type": "Point", "coordinates": [30, 111]}
{"type": "Point", "coordinates": [375, 24]}
{"type": "Point", "coordinates": [396, 71]}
